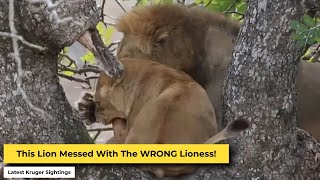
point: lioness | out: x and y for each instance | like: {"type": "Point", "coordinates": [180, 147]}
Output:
{"type": "Point", "coordinates": [155, 104]}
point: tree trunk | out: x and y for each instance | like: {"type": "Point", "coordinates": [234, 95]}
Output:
{"type": "Point", "coordinates": [20, 123]}
{"type": "Point", "coordinates": [260, 86]}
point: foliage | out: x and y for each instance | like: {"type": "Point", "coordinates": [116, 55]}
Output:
{"type": "Point", "coordinates": [232, 8]}
{"type": "Point", "coordinates": [307, 34]}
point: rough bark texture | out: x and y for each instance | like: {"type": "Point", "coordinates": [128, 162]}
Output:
{"type": "Point", "coordinates": [20, 124]}
{"type": "Point", "coordinates": [260, 85]}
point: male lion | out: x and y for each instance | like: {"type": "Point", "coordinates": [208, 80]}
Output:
{"type": "Point", "coordinates": [188, 39]}
{"type": "Point", "coordinates": [201, 44]}
{"type": "Point", "coordinates": [153, 103]}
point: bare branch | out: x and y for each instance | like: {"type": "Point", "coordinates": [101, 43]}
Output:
{"type": "Point", "coordinates": [81, 70]}
{"type": "Point", "coordinates": [110, 23]}
{"type": "Point", "coordinates": [111, 65]}
{"type": "Point", "coordinates": [233, 12]}
{"type": "Point", "coordinates": [71, 78]}
{"type": "Point", "coordinates": [114, 18]}
{"type": "Point", "coordinates": [121, 5]}
{"type": "Point", "coordinates": [72, 61]}
{"type": "Point", "coordinates": [100, 129]}
{"type": "Point", "coordinates": [102, 10]}
{"type": "Point", "coordinates": [92, 77]}
{"type": "Point", "coordinates": [114, 43]}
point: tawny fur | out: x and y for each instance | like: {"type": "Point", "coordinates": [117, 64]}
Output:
{"type": "Point", "coordinates": [201, 44]}
{"type": "Point", "coordinates": [170, 34]}
{"type": "Point", "coordinates": [155, 104]}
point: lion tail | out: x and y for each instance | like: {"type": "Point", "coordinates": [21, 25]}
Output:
{"type": "Point", "coordinates": [232, 130]}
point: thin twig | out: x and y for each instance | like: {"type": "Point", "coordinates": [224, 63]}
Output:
{"type": "Point", "coordinates": [81, 70]}
{"type": "Point", "coordinates": [91, 77]}
{"type": "Point", "coordinates": [234, 12]}
{"type": "Point", "coordinates": [206, 5]}
{"type": "Point", "coordinates": [114, 43]}
{"type": "Point", "coordinates": [110, 23]}
{"type": "Point", "coordinates": [102, 10]}
{"type": "Point", "coordinates": [121, 5]}
{"type": "Point", "coordinates": [96, 136]}
{"type": "Point", "coordinates": [114, 18]}
{"type": "Point", "coordinates": [72, 61]}
{"type": "Point", "coordinates": [231, 6]}
{"type": "Point", "coordinates": [100, 129]}
{"type": "Point", "coordinates": [71, 78]}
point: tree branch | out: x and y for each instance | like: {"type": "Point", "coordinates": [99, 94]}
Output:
{"type": "Point", "coordinates": [121, 5]}
{"type": "Point", "coordinates": [112, 66]}
{"type": "Point", "coordinates": [81, 70]}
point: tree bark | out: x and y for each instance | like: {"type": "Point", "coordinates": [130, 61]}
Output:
{"type": "Point", "coordinates": [260, 86]}
{"type": "Point", "coordinates": [19, 123]}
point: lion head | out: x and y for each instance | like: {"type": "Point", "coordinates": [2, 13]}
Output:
{"type": "Point", "coordinates": [179, 37]}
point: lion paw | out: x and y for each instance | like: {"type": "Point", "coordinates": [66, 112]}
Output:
{"type": "Point", "coordinates": [87, 107]}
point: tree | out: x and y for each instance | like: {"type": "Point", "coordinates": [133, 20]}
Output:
{"type": "Point", "coordinates": [33, 107]}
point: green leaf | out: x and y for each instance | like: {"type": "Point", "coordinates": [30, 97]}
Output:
{"type": "Point", "coordinates": [297, 26]}
{"type": "Point", "coordinates": [308, 52]}
{"type": "Point", "coordinates": [65, 50]}
{"type": "Point", "coordinates": [317, 33]}
{"type": "Point", "coordinates": [213, 8]}
{"type": "Point", "coordinates": [241, 7]}
{"type": "Point", "coordinates": [68, 73]}
{"type": "Point", "coordinates": [105, 32]}
{"type": "Point", "coordinates": [167, 1]}
{"type": "Point", "coordinates": [142, 2]}
{"type": "Point", "coordinates": [308, 21]}
{"type": "Point", "coordinates": [207, 2]}
{"type": "Point", "coordinates": [89, 57]}
{"type": "Point", "coordinates": [198, 1]}
{"type": "Point", "coordinates": [224, 5]}
{"type": "Point", "coordinates": [311, 37]}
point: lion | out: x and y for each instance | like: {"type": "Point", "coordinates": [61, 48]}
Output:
{"type": "Point", "coordinates": [152, 103]}
{"type": "Point", "coordinates": [201, 44]}
{"type": "Point", "coordinates": [171, 34]}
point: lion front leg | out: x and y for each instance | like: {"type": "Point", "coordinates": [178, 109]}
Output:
{"type": "Point", "coordinates": [119, 131]}
{"type": "Point", "coordinates": [87, 107]}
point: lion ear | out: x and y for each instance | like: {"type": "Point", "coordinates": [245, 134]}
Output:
{"type": "Point", "coordinates": [162, 37]}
